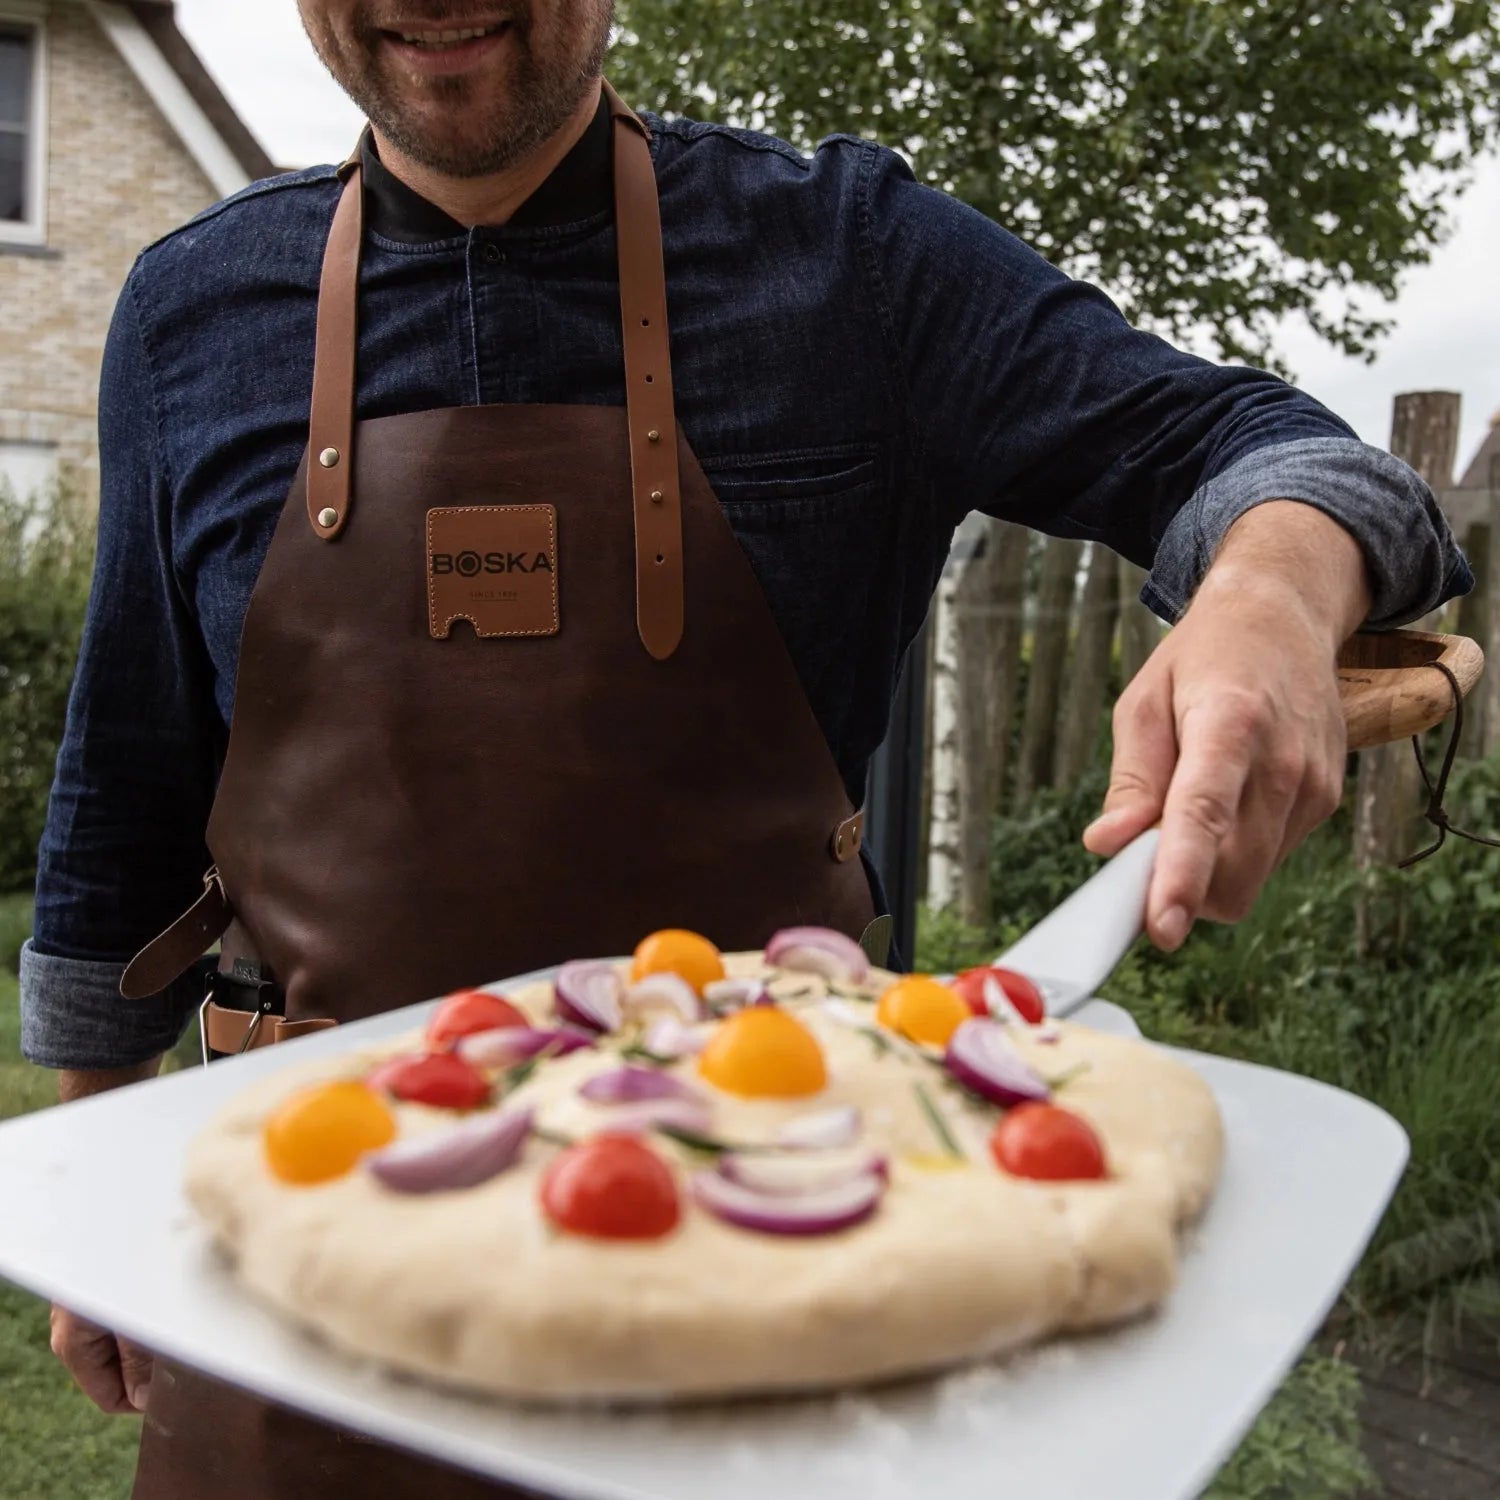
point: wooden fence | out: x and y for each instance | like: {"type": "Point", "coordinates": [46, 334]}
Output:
{"type": "Point", "coordinates": [1029, 635]}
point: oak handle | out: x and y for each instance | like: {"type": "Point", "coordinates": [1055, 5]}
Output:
{"type": "Point", "coordinates": [1389, 688]}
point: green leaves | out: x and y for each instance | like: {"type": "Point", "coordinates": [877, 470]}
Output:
{"type": "Point", "coordinates": [46, 558]}
{"type": "Point", "coordinates": [1215, 166]}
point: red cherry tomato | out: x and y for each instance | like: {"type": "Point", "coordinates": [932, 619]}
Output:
{"type": "Point", "coordinates": [1047, 1144]}
{"type": "Point", "coordinates": [1019, 990]}
{"type": "Point", "coordinates": [467, 1011]}
{"type": "Point", "coordinates": [441, 1079]}
{"type": "Point", "coordinates": [613, 1187]}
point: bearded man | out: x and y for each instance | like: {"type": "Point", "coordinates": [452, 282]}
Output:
{"type": "Point", "coordinates": [509, 541]}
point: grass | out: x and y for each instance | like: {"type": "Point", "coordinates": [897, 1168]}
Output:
{"type": "Point", "coordinates": [56, 1446]}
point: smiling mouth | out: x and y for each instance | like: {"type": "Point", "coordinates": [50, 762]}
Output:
{"type": "Point", "coordinates": [445, 40]}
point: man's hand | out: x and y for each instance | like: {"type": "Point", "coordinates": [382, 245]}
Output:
{"type": "Point", "coordinates": [1232, 735]}
{"type": "Point", "coordinates": [113, 1373]}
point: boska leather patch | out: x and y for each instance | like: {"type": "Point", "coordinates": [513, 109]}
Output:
{"type": "Point", "coordinates": [494, 566]}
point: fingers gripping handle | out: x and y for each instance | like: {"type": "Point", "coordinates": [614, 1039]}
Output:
{"type": "Point", "coordinates": [1389, 690]}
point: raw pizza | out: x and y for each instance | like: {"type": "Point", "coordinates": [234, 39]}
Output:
{"type": "Point", "coordinates": [693, 1175]}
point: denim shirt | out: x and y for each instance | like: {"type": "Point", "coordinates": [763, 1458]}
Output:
{"type": "Point", "coordinates": [859, 361]}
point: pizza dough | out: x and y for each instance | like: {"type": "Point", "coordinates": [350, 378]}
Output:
{"type": "Point", "coordinates": [477, 1289]}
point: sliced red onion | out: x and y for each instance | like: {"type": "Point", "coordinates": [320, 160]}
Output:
{"type": "Point", "coordinates": [824, 1129]}
{"type": "Point", "coordinates": [692, 1116]}
{"type": "Point", "coordinates": [462, 1157]}
{"type": "Point", "coordinates": [727, 995]}
{"type": "Point", "coordinates": [980, 1056]}
{"type": "Point", "coordinates": [819, 950]}
{"type": "Point", "coordinates": [999, 1004]}
{"type": "Point", "coordinates": [847, 1013]}
{"type": "Point", "coordinates": [507, 1045]}
{"type": "Point", "coordinates": [631, 1085]}
{"type": "Point", "coordinates": [669, 991]}
{"type": "Point", "coordinates": [822, 1212]}
{"type": "Point", "coordinates": [796, 1176]}
{"type": "Point", "coordinates": [589, 992]}
{"type": "Point", "coordinates": [668, 1037]}
{"type": "Point", "coordinates": [1046, 1032]}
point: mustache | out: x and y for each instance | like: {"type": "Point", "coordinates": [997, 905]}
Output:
{"type": "Point", "coordinates": [438, 15]}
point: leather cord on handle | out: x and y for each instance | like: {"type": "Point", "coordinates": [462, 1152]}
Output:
{"type": "Point", "coordinates": [650, 414]}
{"type": "Point", "coordinates": [330, 452]}
{"type": "Point", "coordinates": [1436, 813]}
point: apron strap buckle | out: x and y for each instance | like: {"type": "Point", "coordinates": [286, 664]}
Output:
{"type": "Point", "coordinates": [848, 837]}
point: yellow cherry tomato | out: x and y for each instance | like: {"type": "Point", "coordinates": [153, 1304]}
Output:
{"type": "Point", "coordinates": [321, 1133]}
{"type": "Point", "coordinates": [762, 1052]}
{"type": "Point", "coordinates": [674, 950]}
{"type": "Point", "coordinates": [920, 1008]}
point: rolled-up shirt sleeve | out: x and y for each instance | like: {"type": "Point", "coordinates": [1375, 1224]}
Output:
{"type": "Point", "coordinates": [123, 851]}
{"type": "Point", "coordinates": [1413, 564]}
{"type": "Point", "coordinates": [1029, 397]}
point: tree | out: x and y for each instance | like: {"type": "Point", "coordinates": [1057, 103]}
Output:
{"type": "Point", "coordinates": [1215, 164]}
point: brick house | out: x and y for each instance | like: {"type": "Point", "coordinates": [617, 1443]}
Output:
{"type": "Point", "coordinates": [111, 133]}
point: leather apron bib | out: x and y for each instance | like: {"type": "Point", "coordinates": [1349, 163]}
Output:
{"type": "Point", "coordinates": [509, 693]}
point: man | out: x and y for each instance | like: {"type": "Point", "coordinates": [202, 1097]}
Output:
{"type": "Point", "coordinates": [511, 688]}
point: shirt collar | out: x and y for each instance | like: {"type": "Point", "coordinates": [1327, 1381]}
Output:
{"type": "Point", "coordinates": [577, 188]}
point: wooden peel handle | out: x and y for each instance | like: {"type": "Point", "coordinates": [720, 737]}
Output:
{"type": "Point", "coordinates": [1390, 689]}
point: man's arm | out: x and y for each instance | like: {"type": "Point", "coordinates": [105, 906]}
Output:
{"type": "Point", "coordinates": [1232, 734]}
{"type": "Point", "coordinates": [123, 851]}
{"type": "Point", "coordinates": [1027, 395]}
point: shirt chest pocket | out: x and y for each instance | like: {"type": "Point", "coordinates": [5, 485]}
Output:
{"type": "Point", "coordinates": [814, 524]}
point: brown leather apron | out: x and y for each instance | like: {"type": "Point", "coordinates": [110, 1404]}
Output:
{"type": "Point", "coordinates": [509, 693]}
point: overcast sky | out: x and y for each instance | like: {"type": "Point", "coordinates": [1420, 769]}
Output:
{"type": "Point", "coordinates": [1447, 333]}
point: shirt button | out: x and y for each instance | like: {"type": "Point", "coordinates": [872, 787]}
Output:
{"type": "Point", "coordinates": [494, 254]}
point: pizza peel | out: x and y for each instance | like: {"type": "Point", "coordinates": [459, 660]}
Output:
{"type": "Point", "coordinates": [1392, 685]}
{"type": "Point", "coordinates": [95, 1219]}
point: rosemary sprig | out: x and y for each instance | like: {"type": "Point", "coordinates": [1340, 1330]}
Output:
{"type": "Point", "coordinates": [635, 1052]}
{"type": "Point", "coordinates": [1066, 1076]}
{"type": "Point", "coordinates": [707, 1144]}
{"type": "Point", "coordinates": [851, 992]}
{"type": "Point", "coordinates": [938, 1123]}
{"type": "Point", "coordinates": [692, 1140]}
{"type": "Point", "coordinates": [518, 1075]}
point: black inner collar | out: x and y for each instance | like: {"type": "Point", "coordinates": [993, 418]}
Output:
{"type": "Point", "coordinates": [578, 187]}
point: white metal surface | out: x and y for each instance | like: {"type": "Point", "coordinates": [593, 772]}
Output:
{"type": "Point", "coordinates": [1075, 947]}
{"type": "Point", "coordinates": [93, 1217]}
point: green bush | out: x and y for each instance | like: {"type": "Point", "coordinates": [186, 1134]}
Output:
{"type": "Point", "coordinates": [1305, 1446]}
{"type": "Point", "coordinates": [46, 558]}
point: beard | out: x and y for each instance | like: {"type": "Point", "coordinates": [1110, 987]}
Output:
{"type": "Point", "coordinates": [474, 123]}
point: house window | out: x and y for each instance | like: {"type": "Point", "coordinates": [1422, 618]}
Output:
{"type": "Point", "coordinates": [22, 119]}
{"type": "Point", "coordinates": [28, 471]}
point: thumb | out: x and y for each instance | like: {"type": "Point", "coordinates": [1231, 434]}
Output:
{"type": "Point", "coordinates": [135, 1370]}
{"type": "Point", "coordinates": [1145, 756]}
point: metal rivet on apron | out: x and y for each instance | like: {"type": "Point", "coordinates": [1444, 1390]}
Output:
{"type": "Point", "coordinates": [838, 844]}
{"type": "Point", "coordinates": [653, 436]}
{"type": "Point", "coordinates": [657, 497]}
{"type": "Point", "coordinates": [328, 457]}
{"type": "Point", "coordinates": [328, 516]}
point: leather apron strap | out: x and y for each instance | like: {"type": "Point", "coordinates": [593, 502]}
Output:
{"type": "Point", "coordinates": [331, 426]}
{"type": "Point", "coordinates": [650, 415]}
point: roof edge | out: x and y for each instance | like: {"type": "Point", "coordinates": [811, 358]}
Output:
{"type": "Point", "coordinates": [157, 18]}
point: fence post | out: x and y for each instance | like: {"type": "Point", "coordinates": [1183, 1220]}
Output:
{"type": "Point", "coordinates": [1049, 651]}
{"type": "Point", "coordinates": [1424, 432]}
{"type": "Point", "coordinates": [1490, 682]}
